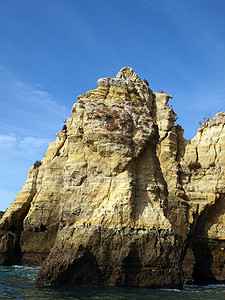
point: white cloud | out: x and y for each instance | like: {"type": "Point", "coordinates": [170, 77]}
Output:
{"type": "Point", "coordinates": [28, 111]}
{"type": "Point", "coordinates": [14, 88]}
{"type": "Point", "coordinates": [37, 96]}
{"type": "Point", "coordinates": [7, 141]}
{"type": "Point", "coordinates": [28, 145]}
{"type": "Point", "coordinates": [32, 144]}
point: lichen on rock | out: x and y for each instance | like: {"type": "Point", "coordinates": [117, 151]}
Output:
{"type": "Point", "coordinates": [121, 198]}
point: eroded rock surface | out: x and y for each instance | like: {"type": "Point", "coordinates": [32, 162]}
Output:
{"type": "Point", "coordinates": [121, 198]}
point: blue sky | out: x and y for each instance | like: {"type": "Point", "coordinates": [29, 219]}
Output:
{"type": "Point", "coordinates": [54, 50]}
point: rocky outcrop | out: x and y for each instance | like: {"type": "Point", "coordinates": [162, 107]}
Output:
{"type": "Point", "coordinates": [121, 198]}
{"type": "Point", "coordinates": [203, 181]}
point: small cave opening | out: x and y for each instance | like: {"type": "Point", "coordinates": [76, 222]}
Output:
{"type": "Point", "coordinates": [43, 227]}
{"type": "Point", "coordinates": [202, 271]}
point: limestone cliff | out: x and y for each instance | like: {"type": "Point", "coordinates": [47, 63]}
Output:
{"type": "Point", "coordinates": [121, 198]}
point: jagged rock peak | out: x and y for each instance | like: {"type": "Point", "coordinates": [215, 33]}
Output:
{"type": "Point", "coordinates": [217, 120]}
{"type": "Point", "coordinates": [126, 88]}
{"type": "Point", "coordinates": [126, 79]}
{"type": "Point", "coordinates": [128, 74]}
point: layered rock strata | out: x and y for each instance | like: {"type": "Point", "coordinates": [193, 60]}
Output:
{"type": "Point", "coordinates": [121, 198]}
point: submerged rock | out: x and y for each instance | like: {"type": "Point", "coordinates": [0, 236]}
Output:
{"type": "Point", "coordinates": [121, 198]}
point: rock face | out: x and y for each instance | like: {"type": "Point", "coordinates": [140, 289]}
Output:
{"type": "Point", "coordinates": [121, 198]}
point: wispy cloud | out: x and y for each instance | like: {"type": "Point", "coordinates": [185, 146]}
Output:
{"type": "Point", "coordinates": [152, 5]}
{"type": "Point", "coordinates": [32, 144]}
{"type": "Point", "coordinates": [29, 118]}
{"type": "Point", "coordinates": [37, 96]}
{"type": "Point", "coordinates": [28, 145]}
{"type": "Point", "coordinates": [28, 109]}
{"type": "Point", "coordinates": [7, 141]}
{"type": "Point", "coordinates": [25, 92]}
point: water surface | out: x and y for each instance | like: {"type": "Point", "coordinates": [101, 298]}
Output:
{"type": "Point", "coordinates": [16, 282]}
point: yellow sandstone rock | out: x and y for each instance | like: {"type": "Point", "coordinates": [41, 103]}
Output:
{"type": "Point", "coordinates": [121, 198]}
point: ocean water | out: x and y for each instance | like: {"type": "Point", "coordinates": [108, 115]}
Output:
{"type": "Point", "coordinates": [16, 282]}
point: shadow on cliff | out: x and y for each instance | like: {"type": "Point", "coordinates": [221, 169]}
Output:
{"type": "Point", "coordinates": [209, 261]}
{"type": "Point", "coordinates": [10, 234]}
{"type": "Point", "coordinates": [132, 267]}
{"type": "Point", "coordinates": [83, 270]}
{"type": "Point", "coordinates": [202, 273]}
{"type": "Point", "coordinates": [147, 169]}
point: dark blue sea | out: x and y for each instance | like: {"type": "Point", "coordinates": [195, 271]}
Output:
{"type": "Point", "coordinates": [16, 282]}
